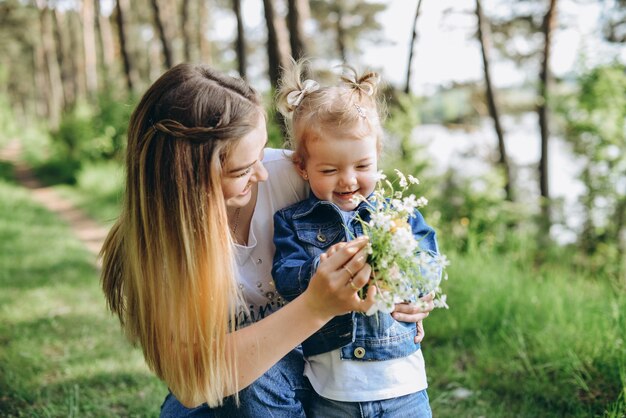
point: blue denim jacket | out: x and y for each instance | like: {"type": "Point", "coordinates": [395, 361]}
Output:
{"type": "Point", "coordinates": [307, 229]}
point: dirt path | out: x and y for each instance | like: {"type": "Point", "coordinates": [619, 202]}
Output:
{"type": "Point", "coordinates": [86, 229]}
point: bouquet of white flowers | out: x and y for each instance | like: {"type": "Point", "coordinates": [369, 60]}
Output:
{"type": "Point", "coordinates": [400, 269]}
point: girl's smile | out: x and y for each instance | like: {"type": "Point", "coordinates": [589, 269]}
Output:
{"type": "Point", "coordinates": [340, 167]}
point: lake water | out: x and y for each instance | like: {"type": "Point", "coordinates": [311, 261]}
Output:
{"type": "Point", "coordinates": [473, 152]}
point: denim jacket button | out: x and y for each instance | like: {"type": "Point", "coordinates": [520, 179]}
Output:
{"type": "Point", "coordinates": [359, 352]}
{"type": "Point", "coordinates": [321, 237]}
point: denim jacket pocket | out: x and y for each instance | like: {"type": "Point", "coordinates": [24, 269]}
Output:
{"type": "Point", "coordinates": [318, 237]}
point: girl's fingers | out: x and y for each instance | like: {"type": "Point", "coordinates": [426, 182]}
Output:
{"type": "Point", "coordinates": [408, 317]}
{"type": "Point", "coordinates": [428, 297]}
{"type": "Point", "coordinates": [420, 332]}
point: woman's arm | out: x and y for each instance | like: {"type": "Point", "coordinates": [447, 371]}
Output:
{"type": "Point", "coordinates": [260, 345]}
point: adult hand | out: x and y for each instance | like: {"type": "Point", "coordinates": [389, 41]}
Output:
{"type": "Point", "coordinates": [415, 312]}
{"type": "Point", "coordinates": [333, 290]}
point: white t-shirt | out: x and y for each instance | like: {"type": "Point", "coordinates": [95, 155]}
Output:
{"type": "Point", "coordinates": [363, 381]}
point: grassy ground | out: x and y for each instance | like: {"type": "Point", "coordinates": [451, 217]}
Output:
{"type": "Point", "coordinates": [516, 342]}
{"type": "Point", "coordinates": [61, 353]}
{"type": "Point", "coordinates": [527, 343]}
{"type": "Point", "coordinates": [97, 191]}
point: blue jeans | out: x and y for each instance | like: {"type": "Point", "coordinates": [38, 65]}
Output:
{"type": "Point", "coordinates": [282, 392]}
{"type": "Point", "coordinates": [414, 405]}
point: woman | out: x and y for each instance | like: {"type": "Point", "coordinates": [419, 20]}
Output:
{"type": "Point", "coordinates": [193, 166]}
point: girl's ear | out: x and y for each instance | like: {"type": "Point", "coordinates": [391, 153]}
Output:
{"type": "Point", "coordinates": [301, 170]}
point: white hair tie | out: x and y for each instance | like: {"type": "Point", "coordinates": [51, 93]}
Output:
{"type": "Point", "coordinates": [295, 97]}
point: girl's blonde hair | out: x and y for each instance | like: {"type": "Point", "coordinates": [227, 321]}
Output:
{"type": "Point", "coordinates": [164, 272]}
{"type": "Point", "coordinates": [351, 108]}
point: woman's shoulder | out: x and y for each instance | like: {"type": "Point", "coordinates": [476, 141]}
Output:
{"type": "Point", "coordinates": [278, 161]}
{"type": "Point", "coordinates": [284, 183]}
{"type": "Point", "coordinates": [275, 156]}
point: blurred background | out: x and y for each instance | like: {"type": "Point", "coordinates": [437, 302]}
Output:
{"type": "Point", "coordinates": [511, 112]}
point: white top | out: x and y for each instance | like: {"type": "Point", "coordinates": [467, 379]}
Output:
{"type": "Point", "coordinates": [283, 187]}
{"type": "Point", "coordinates": [364, 381]}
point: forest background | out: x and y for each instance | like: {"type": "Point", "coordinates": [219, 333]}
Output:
{"type": "Point", "coordinates": [537, 283]}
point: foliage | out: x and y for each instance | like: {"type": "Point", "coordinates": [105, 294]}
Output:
{"type": "Point", "coordinates": [343, 24]}
{"type": "Point", "coordinates": [8, 124]}
{"type": "Point", "coordinates": [472, 214]}
{"type": "Point", "coordinates": [399, 149]}
{"type": "Point", "coordinates": [86, 133]}
{"type": "Point", "coordinates": [594, 122]}
{"type": "Point", "coordinates": [98, 190]}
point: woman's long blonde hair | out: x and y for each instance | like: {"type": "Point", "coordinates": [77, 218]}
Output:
{"type": "Point", "coordinates": [166, 270]}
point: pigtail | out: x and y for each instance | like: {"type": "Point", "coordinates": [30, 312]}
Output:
{"type": "Point", "coordinates": [365, 84]}
{"type": "Point", "coordinates": [291, 83]}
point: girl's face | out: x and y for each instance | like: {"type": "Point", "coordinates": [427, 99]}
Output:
{"type": "Point", "coordinates": [338, 168]}
{"type": "Point", "coordinates": [244, 168]}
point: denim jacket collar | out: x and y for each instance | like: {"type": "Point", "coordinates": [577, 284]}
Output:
{"type": "Point", "coordinates": [312, 204]}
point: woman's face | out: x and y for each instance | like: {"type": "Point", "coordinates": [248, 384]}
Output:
{"type": "Point", "coordinates": [244, 168]}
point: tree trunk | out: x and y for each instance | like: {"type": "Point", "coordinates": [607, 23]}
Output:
{"type": "Point", "coordinates": [240, 42]}
{"type": "Point", "coordinates": [278, 55]}
{"type": "Point", "coordinates": [298, 13]}
{"type": "Point", "coordinates": [407, 86]}
{"type": "Point", "coordinates": [341, 35]}
{"type": "Point", "coordinates": [121, 8]}
{"type": "Point", "coordinates": [203, 42]}
{"type": "Point", "coordinates": [53, 74]}
{"type": "Point", "coordinates": [186, 29]}
{"type": "Point", "coordinates": [105, 41]}
{"type": "Point", "coordinates": [277, 45]}
{"type": "Point", "coordinates": [542, 110]}
{"type": "Point", "coordinates": [89, 46]}
{"type": "Point", "coordinates": [78, 62]}
{"type": "Point", "coordinates": [165, 41]}
{"type": "Point", "coordinates": [154, 55]}
{"type": "Point", "coordinates": [40, 71]}
{"type": "Point", "coordinates": [62, 37]}
{"type": "Point", "coordinates": [484, 36]}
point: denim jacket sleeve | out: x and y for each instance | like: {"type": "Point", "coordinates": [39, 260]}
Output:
{"type": "Point", "coordinates": [293, 266]}
{"type": "Point", "coordinates": [424, 233]}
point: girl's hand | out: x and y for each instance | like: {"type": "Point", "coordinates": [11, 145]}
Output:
{"type": "Point", "coordinates": [342, 272]}
{"type": "Point", "coordinates": [415, 312]}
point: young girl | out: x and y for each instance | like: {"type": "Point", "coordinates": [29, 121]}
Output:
{"type": "Point", "coordinates": [358, 365]}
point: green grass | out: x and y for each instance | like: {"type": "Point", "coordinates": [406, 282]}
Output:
{"type": "Point", "coordinates": [527, 343]}
{"type": "Point", "coordinates": [61, 353]}
{"type": "Point", "coordinates": [97, 191]}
